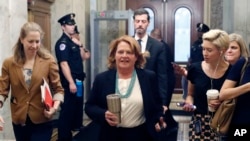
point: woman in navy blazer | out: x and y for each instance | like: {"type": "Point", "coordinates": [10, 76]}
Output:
{"type": "Point", "coordinates": [141, 114]}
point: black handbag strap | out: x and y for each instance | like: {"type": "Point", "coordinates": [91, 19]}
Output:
{"type": "Point", "coordinates": [243, 69]}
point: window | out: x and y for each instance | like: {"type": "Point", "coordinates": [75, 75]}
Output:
{"type": "Point", "coordinates": [152, 20]}
{"type": "Point", "coordinates": [182, 34]}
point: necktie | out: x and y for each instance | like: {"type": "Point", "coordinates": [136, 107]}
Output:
{"type": "Point", "coordinates": [139, 41]}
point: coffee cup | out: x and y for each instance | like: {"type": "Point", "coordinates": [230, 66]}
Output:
{"type": "Point", "coordinates": [211, 95]}
{"type": "Point", "coordinates": [114, 105]}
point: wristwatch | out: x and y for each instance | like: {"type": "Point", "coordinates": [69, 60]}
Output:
{"type": "Point", "coordinates": [85, 50]}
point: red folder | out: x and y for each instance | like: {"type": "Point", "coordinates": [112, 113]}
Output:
{"type": "Point", "coordinates": [46, 95]}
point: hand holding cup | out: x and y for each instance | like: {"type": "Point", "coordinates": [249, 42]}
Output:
{"type": "Point", "coordinates": [114, 105]}
{"type": "Point", "coordinates": [212, 94]}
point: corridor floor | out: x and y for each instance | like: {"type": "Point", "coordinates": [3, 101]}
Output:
{"type": "Point", "coordinates": [90, 132]}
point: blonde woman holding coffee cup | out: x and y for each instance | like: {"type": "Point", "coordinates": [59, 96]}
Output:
{"type": "Point", "coordinates": [202, 77]}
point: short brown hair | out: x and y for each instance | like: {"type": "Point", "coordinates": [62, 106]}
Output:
{"type": "Point", "coordinates": [135, 47]}
{"type": "Point", "coordinates": [141, 11]}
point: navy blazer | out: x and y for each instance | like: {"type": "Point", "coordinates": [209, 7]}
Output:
{"type": "Point", "coordinates": [104, 84]}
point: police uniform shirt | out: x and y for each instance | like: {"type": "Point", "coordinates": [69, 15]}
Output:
{"type": "Point", "coordinates": [196, 51]}
{"type": "Point", "coordinates": [67, 50]}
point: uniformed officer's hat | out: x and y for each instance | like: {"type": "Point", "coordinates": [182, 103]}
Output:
{"type": "Point", "coordinates": [201, 27]}
{"type": "Point", "coordinates": [76, 30]}
{"type": "Point", "coordinates": [67, 19]}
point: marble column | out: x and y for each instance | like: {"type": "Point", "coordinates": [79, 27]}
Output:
{"type": "Point", "coordinates": [13, 16]}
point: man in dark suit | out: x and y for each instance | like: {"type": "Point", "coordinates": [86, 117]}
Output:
{"type": "Point", "coordinates": [156, 34]}
{"type": "Point", "coordinates": [157, 62]}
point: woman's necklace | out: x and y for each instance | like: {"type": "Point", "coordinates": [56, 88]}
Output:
{"type": "Point", "coordinates": [130, 87]}
{"type": "Point", "coordinates": [213, 75]}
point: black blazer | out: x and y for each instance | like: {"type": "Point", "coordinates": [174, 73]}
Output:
{"type": "Point", "coordinates": [104, 84]}
{"type": "Point", "coordinates": [170, 73]}
{"type": "Point", "coordinates": [157, 62]}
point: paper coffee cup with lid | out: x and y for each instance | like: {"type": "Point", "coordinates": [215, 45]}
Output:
{"type": "Point", "coordinates": [211, 95]}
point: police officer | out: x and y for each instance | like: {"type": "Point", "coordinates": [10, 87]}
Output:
{"type": "Point", "coordinates": [196, 49]}
{"type": "Point", "coordinates": [70, 60]}
{"type": "Point", "coordinates": [195, 53]}
{"type": "Point", "coordinates": [77, 123]}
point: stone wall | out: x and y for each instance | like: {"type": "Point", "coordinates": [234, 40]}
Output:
{"type": "Point", "coordinates": [13, 16]}
{"type": "Point", "coordinates": [231, 16]}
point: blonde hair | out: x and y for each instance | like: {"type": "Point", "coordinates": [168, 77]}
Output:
{"type": "Point", "coordinates": [135, 47]}
{"type": "Point", "coordinates": [217, 37]}
{"type": "Point", "coordinates": [19, 55]}
{"type": "Point", "coordinates": [244, 51]}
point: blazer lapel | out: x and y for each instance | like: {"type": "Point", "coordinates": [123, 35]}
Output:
{"type": "Point", "coordinates": [111, 80]}
{"type": "Point", "coordinates": [36, 70]}
{"type": "Point", "coordinates": [142, 82]}
{"type": "Point", "coordinates": [149, 43]}
{"type": "Point", "coordinates": [19, 72]}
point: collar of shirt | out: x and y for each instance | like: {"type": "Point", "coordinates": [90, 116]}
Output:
{"type": "Point", "coordinates": [144, 40]}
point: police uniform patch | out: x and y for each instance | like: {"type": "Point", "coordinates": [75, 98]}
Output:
{"type": "Point", "coordinates": [62, 46]}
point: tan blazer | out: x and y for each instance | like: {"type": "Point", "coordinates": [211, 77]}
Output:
{"type": "Point", "coordinates": [26, 100]}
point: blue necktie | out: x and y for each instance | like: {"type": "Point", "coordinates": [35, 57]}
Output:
{"type": "Point", "coordinates": [139, 41]}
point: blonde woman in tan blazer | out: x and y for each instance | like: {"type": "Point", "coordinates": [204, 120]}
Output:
{"type": "Point", "coordinates": [21, 78]}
